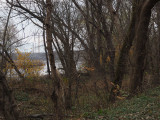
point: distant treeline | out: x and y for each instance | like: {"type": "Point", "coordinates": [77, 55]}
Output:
{"type": "Point", "coordinates": [42, 56]}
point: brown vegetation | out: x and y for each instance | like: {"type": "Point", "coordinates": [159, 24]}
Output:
{"type": "Point", "coordinates": [120, 42]}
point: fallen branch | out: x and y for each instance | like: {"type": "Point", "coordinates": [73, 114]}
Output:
{"type": "Point", "coordinates": [41, 116]}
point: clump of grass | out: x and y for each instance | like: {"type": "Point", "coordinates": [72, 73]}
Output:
{"type": "Point", "coordinates": [21, 96]}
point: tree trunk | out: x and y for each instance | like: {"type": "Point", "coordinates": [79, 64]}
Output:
{"type": "Point", "coordinates": [138, 13]}
{"type": "Point", "coordinates": [7, 103]}
{"type": "Point", "coordinates": [58, 90]}
{"type": "Point", "coordinates": [69, 73]}
{"type": "Point", "coordinates": [121, 65]}
{"type": "Point", "coordinates": [139, 52]}
{"type": "Point", "coordinates": [46, 53]}
{"type": "Point", "coordinates": [3, 65]}
{"type": "Point", "coordinates": [156, 79]}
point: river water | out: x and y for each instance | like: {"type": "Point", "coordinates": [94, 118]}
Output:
{"type": "Point", "coordinates": [14, 74]}
{"type": "Point", "coordinates": [58, 66]}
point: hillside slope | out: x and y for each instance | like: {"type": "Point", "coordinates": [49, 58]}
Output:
{"type": "Point", "coordinates": [145, 106]}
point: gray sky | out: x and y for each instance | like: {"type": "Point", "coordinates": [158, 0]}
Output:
{"type": "Point", "coordinates": [33, 42]}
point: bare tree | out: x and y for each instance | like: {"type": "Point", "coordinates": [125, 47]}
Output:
{"type": "Point", "coordinates": [7, 103]}
{"type": "Point", "coordinates": [64, 42]}
{"type": "Point", "coordinates": [141, 38]}
{"type": "Point", "coordinates": [137, 32]}
{"type": "Point", "coordinates": [58, 89]}
{"type": "Point", "coordinates": [141, 13]}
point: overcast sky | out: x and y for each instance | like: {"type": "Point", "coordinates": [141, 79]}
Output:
{"type": "Point", "coordinates": [33, 42]}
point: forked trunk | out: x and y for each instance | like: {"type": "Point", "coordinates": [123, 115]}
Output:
{"type": "Point", "coordinates": [138, 32]}
{"type": "Point", "coordinates": [120, 69]}
{"type": "Point", "coordinates": [139, 52]}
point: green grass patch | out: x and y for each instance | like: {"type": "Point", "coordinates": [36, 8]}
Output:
{"type": "Point", "coordinates": [144, 106]}
{"type": "Point", "coordinates": [21, 96]}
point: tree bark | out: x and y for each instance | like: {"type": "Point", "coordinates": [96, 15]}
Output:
{"type": "Point", "coordinates": [139, 24]}
{"type": "Point", "coordinates": [156, 79]}
{"type": "Point", "coordinates": [121, 65]}
{"type": "Point", "coordinates": [46, 53]}
{"type": "Point", "coordinates": [58, 90]}
{"type": "Point", "coordinates": [7, 103]}
{"type": "Point", "coordinates": [139, 52]}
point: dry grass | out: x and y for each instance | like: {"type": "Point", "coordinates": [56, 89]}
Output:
{"type": "Point", "coordinates": [33, 96]}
